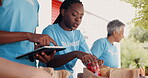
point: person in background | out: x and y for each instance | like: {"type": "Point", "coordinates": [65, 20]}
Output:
{"type": "Point", "coordinates": [64, 32]}
{"type": "Point", "coordinates": [104, 48]}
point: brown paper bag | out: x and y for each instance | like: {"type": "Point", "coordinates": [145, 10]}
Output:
{"type": "Point", "coordinates": [89, 74]}
{"type": "Point", "coordinates": [113, 73]}
{"type": "Point", "coordinates": [124, 73]}
{"type": "Point", "coordinates": [61, 74]}
{"type": "Point", "coordinates": [57, 73]}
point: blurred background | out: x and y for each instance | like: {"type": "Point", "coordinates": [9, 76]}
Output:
{"type": "Point", "coordinates": [133, 49]}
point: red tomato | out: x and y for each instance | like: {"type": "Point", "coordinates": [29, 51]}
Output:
{"type": "Point", "coordinates": [94, 69]}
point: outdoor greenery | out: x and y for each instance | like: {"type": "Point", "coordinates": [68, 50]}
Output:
{"type": "Point", "coordinates": [133, 51]}
{"type": "Point", "coordinates": [141, 18]}
{"type": "Point", "coordinates": [139, 34]}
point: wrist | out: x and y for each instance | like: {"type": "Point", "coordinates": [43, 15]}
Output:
{"type": "Point", "coordinates": [28, 35]}
{"type": "Point", "coordinates": [75, 53]}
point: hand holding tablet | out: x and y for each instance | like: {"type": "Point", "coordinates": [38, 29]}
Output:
{"type": "Point", "coordinates": [47, 49]}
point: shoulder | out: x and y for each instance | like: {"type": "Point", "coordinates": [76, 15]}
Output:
{"type": "Point", "coordinates": [100, 43]}
{"type": "Point", "coordinates": [50, 27]}
{"type": "Point", "coordinates": [101, 40]}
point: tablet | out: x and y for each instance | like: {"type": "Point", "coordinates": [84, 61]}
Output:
{"type": "Point", "coordinates": [47, 49]}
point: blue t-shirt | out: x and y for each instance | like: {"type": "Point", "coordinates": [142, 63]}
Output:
{"type": "Point", "coordinates": [106, 51]}
{"type": "Point", "coordinates": [72, 40]}
{"type": "Point", "coordinates": [18, 16]}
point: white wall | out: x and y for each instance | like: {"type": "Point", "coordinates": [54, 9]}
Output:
{"type": "Point", "coordinates": [44, 14]}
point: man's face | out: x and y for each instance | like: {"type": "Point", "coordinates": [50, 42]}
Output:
{"type": "Point", "coordinates": [73, 16]}
{"type": "Point", "coordinates": [119, 35]}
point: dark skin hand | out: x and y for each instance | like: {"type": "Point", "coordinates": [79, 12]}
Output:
{"type": "Point", "coordinates": [87, 58]}
{"type": "Point", "coordinates": [40, 39]}
{"type": "Point", "coordinates": [10, 37]}
{"type": "Point", "coordinates": [45, 58]}
{"type": "Point", "coordinates": [100, 62]}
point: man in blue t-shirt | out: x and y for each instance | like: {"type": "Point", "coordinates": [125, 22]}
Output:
{"type": "Point", "coordinates": [105, 49]}
{"type": "Point", "coordinates": [18, 21]}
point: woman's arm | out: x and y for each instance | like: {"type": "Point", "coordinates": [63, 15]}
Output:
{"type": "Point", "coordinates": [60, 60]}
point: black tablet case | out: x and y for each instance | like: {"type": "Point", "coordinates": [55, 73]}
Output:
{"type": "Point", "coordinates": [47, 49]}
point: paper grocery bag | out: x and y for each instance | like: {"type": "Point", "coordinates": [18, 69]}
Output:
{"type": "Point", "coordinates": [135, 73]}
{"type": "Point", "coordinates": [124, 73]}
{"type": "Point", "coordinates": [61, 74]}
{"type": "Point", "coordinates": [57, 73]}
{"type": "Point", "coordinates": [89, 74]}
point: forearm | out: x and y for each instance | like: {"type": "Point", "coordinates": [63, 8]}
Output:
{"type": "Point", "coordinates": [63, 59]}
{"type": "Point", "coordinates": [60, 60]}
{"type": "Point", "coordinates": [9, 37]}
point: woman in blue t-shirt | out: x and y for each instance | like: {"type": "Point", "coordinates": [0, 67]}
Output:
{"type": "Point", "coordinates": [64, 32]}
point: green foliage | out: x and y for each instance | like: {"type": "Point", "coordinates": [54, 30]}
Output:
{"type": "Point", "coordinates": [141, 18]}
{"type": "Point", "coordinates": [139, 34]}
{"type": "Point", "coordinates": [132, 50]}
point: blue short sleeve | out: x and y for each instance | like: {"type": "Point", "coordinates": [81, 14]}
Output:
{"type": "Point", "coordinates": [97, 48]}
{"type": "Point", "coordinates": [103, 49]}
